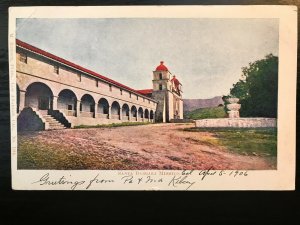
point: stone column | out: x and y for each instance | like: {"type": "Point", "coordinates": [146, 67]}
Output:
{"type": "Point", "coordinates": [95, 110]}
{"type": "Point", "coordinates": [109, 112]}
{"type": "Point", "coordinates": [22, 100]}
{"type": "Point", "coordinates": [78, 108]}
{"type": "Point", "coordinates": [129, 115]}
{"type": "Point", "coordinates": [54, 102]}
{"type": "Point", "coordinates": [120, 116]}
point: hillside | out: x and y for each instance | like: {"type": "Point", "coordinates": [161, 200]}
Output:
{"type": "Point", "coordinates": [214, 112]}
{"type": "Point", "coordinates": [192, 104]}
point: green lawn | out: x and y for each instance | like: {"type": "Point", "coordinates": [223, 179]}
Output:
{"type": "Point", "coordinates": [245, 141]}
{"type": "Point", "coordinates": [215, 112]}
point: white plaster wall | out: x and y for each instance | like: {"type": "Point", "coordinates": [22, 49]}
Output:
{"type": "Point", "coordinates": [237, 122]}
{"type": "Point", "coordinates": [38, 69]}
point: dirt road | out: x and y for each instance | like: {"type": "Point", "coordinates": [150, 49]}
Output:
{"type": "Point", "coordinates": [157, 146]}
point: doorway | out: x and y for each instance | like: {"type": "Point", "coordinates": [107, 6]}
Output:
{"type": "Point", "coordinates": [43, 102]}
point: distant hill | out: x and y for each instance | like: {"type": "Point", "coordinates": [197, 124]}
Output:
{"type": "Point", "coordinates": [204, 113]}
{"type": "Point", "coordinates": [192, 104]}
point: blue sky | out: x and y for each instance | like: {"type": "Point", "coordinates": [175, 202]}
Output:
{"type": "Point", "coordinates": [205, 54]}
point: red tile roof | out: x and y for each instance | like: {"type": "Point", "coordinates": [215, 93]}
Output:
{"type": "Point", "coordinates": [161, 67]}
{"type": "Point", "coordinates": [145, 91]}
{"type": "Point", "coordinates": [68, 63]}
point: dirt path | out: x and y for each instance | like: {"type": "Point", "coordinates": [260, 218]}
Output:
{"type": "Point", "coordinates": [157, 146]}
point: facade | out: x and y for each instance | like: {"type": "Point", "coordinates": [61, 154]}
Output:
{"type": "Point", "coordinates": [54, 93]}
{"type": "Point", "coordinates": [167, 91]}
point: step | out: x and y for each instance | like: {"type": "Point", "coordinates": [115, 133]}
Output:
{"type": "Point", "coordinates": [56, 128]}
{"type": "Point", "coordinates": [53, 123]}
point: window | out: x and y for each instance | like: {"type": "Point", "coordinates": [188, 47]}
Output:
{"type": "Point", "coordinates": [160, 87]}
{"type": "Point", "coordinates": [56, 69]}
{"type": "Point", "coordinates": [79, 77]}
{"type": "Point", "coordinates": [160, 76]}
{"type": "Point", "coordinates": [121, 92]}
{"type": "Point", "coordinates": [23, 57]}
{"type": "Point", "coordinates": [137, 97]}
{"type": "Point", "coordinates": [129, 94]}
{"type": "Point", "coordinates": [70, 107]}
{"type": "Point", "coordinates": [97, 84]}
{"type": "Point", "coordinates": [110, 87]}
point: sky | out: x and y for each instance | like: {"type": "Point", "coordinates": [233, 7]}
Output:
{"type": "Point", "coordinates": [206, 55]}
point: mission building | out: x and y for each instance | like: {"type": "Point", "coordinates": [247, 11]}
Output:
{"type": "Point", "coordinates": [53, 93]}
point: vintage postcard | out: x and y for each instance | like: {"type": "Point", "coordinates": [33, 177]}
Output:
{"type": "Point", "coordinates": [153, 97]}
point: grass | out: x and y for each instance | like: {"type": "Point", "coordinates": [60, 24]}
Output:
{"type": "Point", "coordinates": [215, 112]}
{"type": "Point", "coordinates": [245, 141]}
{"type": "Point", "coordinates": [124, 124]}
{"type": "Point", "coordinates": [36, 154]}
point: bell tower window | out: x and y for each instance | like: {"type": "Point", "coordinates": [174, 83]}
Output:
{"type": "Point", "coordinates": [160, 76]}
{"type": "Point", "coordinates": [160, 87]}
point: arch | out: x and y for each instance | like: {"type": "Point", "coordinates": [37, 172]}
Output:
{"type": "Point", "coordinates": [67, 102]}
{"type": "Point", "coordinates": [151, 115]}
{"type": "Point", "coordinates": [115, 110]}
{"type": "Point", "coordinates": [133, 111]}
{"type": "Point", "coordinates": [87, 106]}
{"type": "Point", "coordinates": [140, 113]}
{"type": "Point", "coordinates": [146, 114]}
{"type": "Point", "coordinates": [103, 108]}
{"type": "Point", "coordinates": [39, 95]}
{"type": "Point", "coordinates": [125, 112]}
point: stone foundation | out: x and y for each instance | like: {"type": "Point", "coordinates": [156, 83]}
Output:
{"type": "Point", "coordinates": [182, 121]}
{"type": "Point", "coordinates": [31, 120]}
{"type": "Point", "coordinates": [237, 122]}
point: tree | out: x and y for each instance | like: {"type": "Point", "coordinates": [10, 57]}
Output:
{"type": "Point", "coordinates": [258, 88]}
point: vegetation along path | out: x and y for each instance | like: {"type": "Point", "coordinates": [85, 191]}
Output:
{"type": "Point", "coordinates": [153, 146]}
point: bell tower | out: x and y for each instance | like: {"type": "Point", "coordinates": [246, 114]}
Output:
{"type": "Point", "coordinates": [162, 90]}
{"type": "Point", "coordinates": [161, 78]}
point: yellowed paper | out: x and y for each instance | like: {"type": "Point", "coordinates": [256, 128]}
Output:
{"type": "Point", "coordinates": [143, 163]}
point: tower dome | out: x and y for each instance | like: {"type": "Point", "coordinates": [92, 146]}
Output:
{"type": "Point", "coordinates": [161, 67]}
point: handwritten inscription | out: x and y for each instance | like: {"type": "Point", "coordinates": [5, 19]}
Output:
{"type": "Point", "coordinates": [45, 180]}
{"type": "Point", "coordinates": [139, 180]}
{"type": "Point", "coordinates": [182, 180]}
{"type": "Point", "coordinates": [95, 180]}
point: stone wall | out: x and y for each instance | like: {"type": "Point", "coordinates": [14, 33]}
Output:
{"type": "Point", "coordinates": [67, 90]}
{"type": "Point", "coordinates": [29, 120]}
{"type": "Point", "coordinates": [160, 115]}
{"type": "Point", "coordinates": [40, 69]}
{"type": "Point", "coordinates": [237, 122]}
{"type": "Point", "coordinates": [182, 121]}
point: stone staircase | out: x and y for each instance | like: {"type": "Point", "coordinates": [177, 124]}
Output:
{"type": "Point", "coordinates": [53, 123]}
